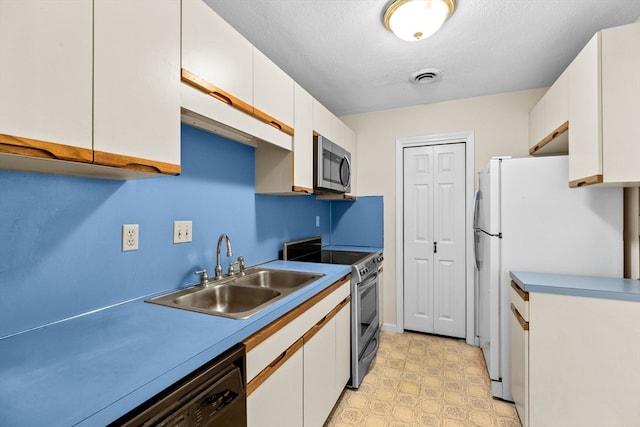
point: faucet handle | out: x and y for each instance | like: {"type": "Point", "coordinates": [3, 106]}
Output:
{"type": "Point", "coordinates": [241, 263]}
{"type": "Point", "coordinates": [204, 276]}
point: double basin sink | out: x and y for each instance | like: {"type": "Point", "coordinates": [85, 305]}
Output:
{"type": "Point", "coordinates": [238, 297]}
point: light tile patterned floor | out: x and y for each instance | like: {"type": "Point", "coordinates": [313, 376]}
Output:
{"type": "Point", "coordinates": [423, 380]}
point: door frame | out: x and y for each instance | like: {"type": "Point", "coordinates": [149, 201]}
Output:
{"type": "Point", "coordinates": [468, 138]}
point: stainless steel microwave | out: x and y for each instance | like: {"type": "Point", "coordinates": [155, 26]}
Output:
{"type": "Point", "coordinates": [331, 166]}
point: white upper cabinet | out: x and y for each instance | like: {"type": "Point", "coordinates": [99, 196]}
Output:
{"type": "Point", "coordinates": [272, 93]}
{"type": "Point", "coordinates": [548, 120]}
{"type": "Point", "coordinates": [280, 171]}
{"type": "Point", "coordinates": [604, 96]}
{"type": "Point", "coordinates": [303, 141]}
{"type": "Point", "coordinates": [621, 104]}
{"type": "Point", "coordinates": [585, 106]}
{"type": "Point", "coordinates": [90, 84]}
{"type": "Point", "coordinates": [322, 120]}
{"type": "Point", "coordinates": [216, 55]}
{"type": "Point", "coordinates": [136, 84]}
{"type": "Point", "coordinates": [45, 102]}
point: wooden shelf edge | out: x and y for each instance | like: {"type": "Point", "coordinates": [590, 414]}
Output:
{"type": "Point", "coordinates": [12, 144]}
{"type": "Point", "coordinates": [547, 139]}
{"type": "Point", "coordinates": [589, 180]}
{"type": "Point", "coordinates": [135, 163]}
{"type": "Point", "coordinates": [343, 197]}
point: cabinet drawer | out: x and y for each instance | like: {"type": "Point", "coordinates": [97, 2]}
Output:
{"type": "Point", "coordinates": [285, 331]}
{"type": "Point", "coordinates": [520, 299]}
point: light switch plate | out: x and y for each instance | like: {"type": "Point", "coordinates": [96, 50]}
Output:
{"type": "Point", "coordinates": [182, 232]}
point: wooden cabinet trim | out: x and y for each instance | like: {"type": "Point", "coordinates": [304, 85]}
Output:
{"type": "Point", "coordinates": [523, 323]}
{"type": "Point", "coordinates": [523, 294]}
{"type": "Point", "coordinates": [272, 121]}
{"type": "Point", "coordinates": [273, 366]}
{"type": "Point", "coordinates": [134, 163]}
{"type": "Point", "coordinates": [221, 95]}
{"type": "Point", "coordinates": [305, 190]}
{"type": "Point", "coordinates": [12, 144]}
{"type": "Point", "coordinates": [256, 339]}
{"type": "Point", "coordinates": [322, 322]}
{"type": "Point", "coordinates": [216, 92]}
{"type": "Point", "coordinates": [590, 180]}
{"type": "Point", "coordinates": [547, 139]}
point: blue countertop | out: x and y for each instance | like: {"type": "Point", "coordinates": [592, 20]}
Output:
{"type": "Point", "coordinates": [584, 286]}
{"type": "Point", "coordinates": [91, 369]}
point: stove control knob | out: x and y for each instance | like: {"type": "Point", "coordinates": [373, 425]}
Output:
{"type": "Point", "coordinates": [379, 259]}
{"type": "Point", "coordinates": [364, 271]}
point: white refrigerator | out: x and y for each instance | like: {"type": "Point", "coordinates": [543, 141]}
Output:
{"type": "Point", "coordinates": [528, 219]}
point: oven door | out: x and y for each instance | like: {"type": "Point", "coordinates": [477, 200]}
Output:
{"type": "Point", "coordinates": [366, 316]}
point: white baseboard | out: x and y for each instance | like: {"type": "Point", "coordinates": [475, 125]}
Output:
{"type": "Point", "coordinates": [390, 327]}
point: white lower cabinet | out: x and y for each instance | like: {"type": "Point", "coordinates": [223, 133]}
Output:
{"type": "Point", "coordinates": [300, 384]}
{"type": "Point", "coordinates": [575, 361]}
{"type": "Point", "coordinates": [278, 401]}
{"type": "Point", "coordinates": [319, 381]}
{"type": "Point", "coordinates": [343, 350]}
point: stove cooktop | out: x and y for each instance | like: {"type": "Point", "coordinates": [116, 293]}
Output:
{"type": "Point", "coordinates": [310, 250]}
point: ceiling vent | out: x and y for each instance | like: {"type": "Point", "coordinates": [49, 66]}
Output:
{"type": "Point", "coordinates": [425, 76]}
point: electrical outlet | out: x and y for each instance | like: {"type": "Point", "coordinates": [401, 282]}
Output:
{"type": "Point", "coordinates": [182, 232]}
{"type": "Point", "coordinates": [317, 220]}
{"type": "Point", "coordinates": [130, 235]}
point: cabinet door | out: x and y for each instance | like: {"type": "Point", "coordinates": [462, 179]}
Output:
{"type": "Point", "coordinates": [322, 119]}
{"type": "Point", "coordinates": [319, 375]}
{"type": "Point", "coordinates": [337, 131]}
{"type": "Point", "coordinates": [214, 51]}
{"type": "Point", "coordinates": [45, 82]}
{"type": "Point", "coordinates": [278, 401]}
{"type": "Point", "coordinates": [556, 111]}
{"type": "Point", "coordinates": [303, 140]}
{"type": "Point", "coordinates": [585, 139]}
{"type": "Point", "coordinates": [343, 349]}
{"type": "Point", "coordinates": [136, 84]}
{"type": "Point", "coordinates": [272, 93]}
{"type": "Point", "coordinates": [536, 123]}
{"type": "Point", "coordinates": [621, 104]}
{"type": "Point", "coordinates": [519, 352]}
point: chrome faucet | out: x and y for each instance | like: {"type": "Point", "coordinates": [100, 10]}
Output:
{"type": "Point", "coordinates": [218, 275]}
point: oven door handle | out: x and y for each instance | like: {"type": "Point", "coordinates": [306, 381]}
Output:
{"type": "Point", "coordinates": [366, 285]}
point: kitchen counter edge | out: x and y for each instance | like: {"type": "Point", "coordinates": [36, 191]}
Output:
{"type": "Point", "coordinates": [577, 285]}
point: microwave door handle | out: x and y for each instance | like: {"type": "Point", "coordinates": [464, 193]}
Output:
{"type": "Point", "coordinates": [345, 159]}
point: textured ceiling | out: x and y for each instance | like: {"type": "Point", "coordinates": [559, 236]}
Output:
{"type": "Point", "coordinates": [340, 51]}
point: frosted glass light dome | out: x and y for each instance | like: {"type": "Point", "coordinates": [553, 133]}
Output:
{"type": "Point", "coordinates": [413, 20]}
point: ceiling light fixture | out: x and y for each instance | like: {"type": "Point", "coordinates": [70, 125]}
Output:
{"type": "Point", "coordinates": [413, 20]}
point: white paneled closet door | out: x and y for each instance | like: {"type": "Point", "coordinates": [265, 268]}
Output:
{"type": "Point", "coordinates": [434, 239]}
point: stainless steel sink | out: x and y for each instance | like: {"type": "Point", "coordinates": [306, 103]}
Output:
{"type": "Point", "coordinates": [238, 297]}
{"type": "Point", "coordinates": [276, 279]}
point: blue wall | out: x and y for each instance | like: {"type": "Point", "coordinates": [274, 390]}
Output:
{"type": "Point", "coordinates": [60, 237]}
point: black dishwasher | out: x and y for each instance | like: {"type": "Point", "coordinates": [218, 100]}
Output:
{"type": "Point", "coordinates": [212, 396]}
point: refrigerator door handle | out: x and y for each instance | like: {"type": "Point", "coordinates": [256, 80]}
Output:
{"type": "Point", "coordinates": [476, 210]}
{"type": "Point", "coordinates": [476, 244]}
